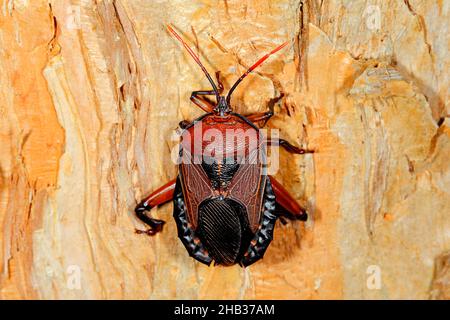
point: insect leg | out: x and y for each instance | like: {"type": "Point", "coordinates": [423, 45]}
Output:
{"type": "Point", "coordinates": [184, 124]}
{"type": "Point", "coordinates": [289, 147]}
{"type": "Point", "coordinates": [211, 92]}
{"type": "Point", "coordinates": [287, 202]}
{"type": "Point", "coordinates": [158, 197]}
{"type": "Point", "coordinates": [256, 117]}
{"type": "Point", "coordinates": [205, 104]}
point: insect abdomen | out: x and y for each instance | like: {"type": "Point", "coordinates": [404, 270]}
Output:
{"type": "Point", "coordinates": [223, 229]}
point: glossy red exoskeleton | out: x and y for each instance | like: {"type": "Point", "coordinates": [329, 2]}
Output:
{"type": "Point", "coordinates": [225, 204]}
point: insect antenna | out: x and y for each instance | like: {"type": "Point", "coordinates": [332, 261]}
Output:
{"type": "Point", "coordinates": [253, 67]}
{"type": "Point", "coordinates": [196, 58]}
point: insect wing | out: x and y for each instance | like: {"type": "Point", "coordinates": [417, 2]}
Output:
{"type": "Point", "coordinates": [246, 187]}
{"type": "Point", "coordinates": [196, 186]}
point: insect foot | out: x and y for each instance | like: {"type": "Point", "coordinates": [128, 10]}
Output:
{"type": "Point", "coordinates": [156, 225]}
{"type": "Point", "coordinates": [152, 231]}
{"type": "Point", "coordinates": [303, 216]}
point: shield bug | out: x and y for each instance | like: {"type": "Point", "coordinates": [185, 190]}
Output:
{"type": "Point", "coordinates": [225, 204]}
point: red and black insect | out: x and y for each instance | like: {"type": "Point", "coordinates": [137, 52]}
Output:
{"type": "Point", "coordinates": [225, 205]}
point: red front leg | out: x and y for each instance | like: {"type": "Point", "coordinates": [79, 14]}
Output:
{"type": "Point", "coordinates": [287, 202]}
{"type": "Point", "coordinates": [156, 198]}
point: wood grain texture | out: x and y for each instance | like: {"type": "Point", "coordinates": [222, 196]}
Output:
{"type": "Point", "coordinates": [92, 91]}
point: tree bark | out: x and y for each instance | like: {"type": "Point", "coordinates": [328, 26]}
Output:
{"type": "Point", "coordinates": [91, 93]}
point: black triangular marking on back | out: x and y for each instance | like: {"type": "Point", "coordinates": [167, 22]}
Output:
{"type": "Point", "coordinates": [221, 174]}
